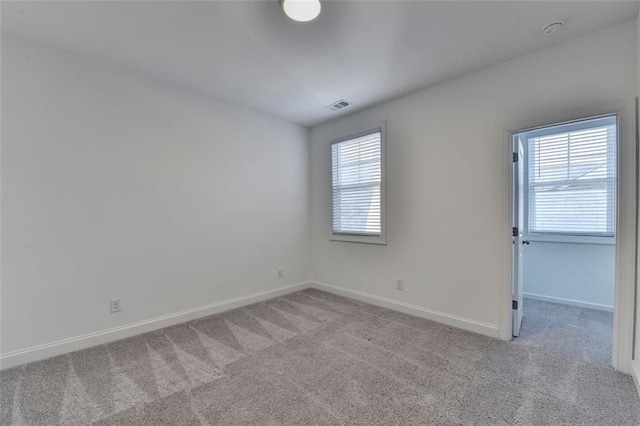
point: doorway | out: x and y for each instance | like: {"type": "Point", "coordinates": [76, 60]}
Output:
{"type": "Point", "coordinates": [564, 209]}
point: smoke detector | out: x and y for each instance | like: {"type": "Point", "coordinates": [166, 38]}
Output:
{"type": "Point", "coordinates": [552, 28]}
{"type": "Point", "coordinates": [337, 105]}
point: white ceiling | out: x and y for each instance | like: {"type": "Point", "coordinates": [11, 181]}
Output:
{"type": "Point", "coordinates": [250, 54]}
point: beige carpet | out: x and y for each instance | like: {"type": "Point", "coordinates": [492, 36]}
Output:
{"type": "Point", "coordinates": [315, 358]}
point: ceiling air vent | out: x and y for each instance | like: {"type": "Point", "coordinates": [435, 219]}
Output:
{"type": "Point", "coordinates": [337, 105]}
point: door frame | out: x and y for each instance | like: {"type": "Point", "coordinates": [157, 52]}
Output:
{"type": "Point", "coordinates": [517, 222]}
{"type": "Point", "coordinates": [626, 217]}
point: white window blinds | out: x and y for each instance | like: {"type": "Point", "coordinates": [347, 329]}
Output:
{"type": "Point", "coordinates": [357, 178]}
{"type": "Point", "coordinates": [572, 179]}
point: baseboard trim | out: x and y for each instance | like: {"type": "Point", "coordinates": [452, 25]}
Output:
{"type": "Point", "coordinates": [60, 347]}
{"type": "Point", "coordinates": [569, 302]}
{"type": "Point", "coordinates": [407, 308]}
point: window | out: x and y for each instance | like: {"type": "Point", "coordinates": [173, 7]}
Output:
{"type": "Point", "coordinates": [357, 169]}
{"type": "Point", "coordinates": [571, 179]}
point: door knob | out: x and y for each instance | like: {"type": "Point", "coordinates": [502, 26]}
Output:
{"type": "Point", "coordinates": [525, 242]}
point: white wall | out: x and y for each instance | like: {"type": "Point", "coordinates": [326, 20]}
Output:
{"type": "Point", "coordinates": [448, 176]}
{"type": "Point", "coordinates": [116, 186]}
{"type": "Point", "coordinates": [636, 361]}
{"type": "Point", "coordinates": [579, 274]}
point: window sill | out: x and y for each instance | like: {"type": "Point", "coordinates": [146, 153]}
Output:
{"type": "Point", "coordinates": [571, 239]}
{"type": "Point", "coordinates": [362, 239]}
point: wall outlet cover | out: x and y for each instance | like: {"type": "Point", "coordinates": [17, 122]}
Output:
{"type": "Point", "coordinates": [115, 305]}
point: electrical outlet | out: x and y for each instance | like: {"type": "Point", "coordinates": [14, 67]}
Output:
{"type": "Point", "coordinates": [280, 273]}
{"type": "Point", "coordinates": [400, 284]}
{"type": "Point", "coordinates": [115, 305]}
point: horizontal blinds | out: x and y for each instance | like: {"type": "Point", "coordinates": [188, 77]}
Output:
{"type": "Point", "coordinates": [572, 181]}
{"type": "Point", "coordinates": [357, 177]}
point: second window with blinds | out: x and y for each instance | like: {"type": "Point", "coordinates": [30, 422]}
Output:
{"type": "Point", "coordinates": [358, 189]}
{"type": "Point", "coordinates": [570, 182]}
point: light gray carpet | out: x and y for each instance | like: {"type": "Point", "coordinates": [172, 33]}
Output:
{"type": "Point", "coordinates": [569, 331]}
{"type": "Point", "coordinates": [315, 358]}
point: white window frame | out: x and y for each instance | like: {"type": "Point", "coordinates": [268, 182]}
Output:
{"type": "Point", "coordinates": [558, 237]}
{"type": "Point", "coordinates": [355, 238]}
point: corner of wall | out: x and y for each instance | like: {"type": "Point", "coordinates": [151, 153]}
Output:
{"type": "Point", "coordinates": [635, 373]}
{"type": "Point", "coordinates": [635, 362]}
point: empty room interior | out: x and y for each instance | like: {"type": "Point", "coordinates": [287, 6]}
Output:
{"type": "Point", "coordinates": [566, 191]}
{"type": "Point", "coordinates": [319, 212]}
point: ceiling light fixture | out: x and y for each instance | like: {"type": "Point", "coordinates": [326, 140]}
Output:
{"type": "Point", "coordinates": [301, 10]}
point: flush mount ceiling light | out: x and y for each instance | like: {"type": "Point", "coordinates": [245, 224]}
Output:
{"type": "Point", "coordinates": [301, 10]}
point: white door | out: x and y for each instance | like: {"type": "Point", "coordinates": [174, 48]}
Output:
{"type": "Point", "coordinates": [517, 232]}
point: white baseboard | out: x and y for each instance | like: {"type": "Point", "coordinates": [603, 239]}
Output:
{"type": "Point", "coordinates": [72, 344]}
{"type": "Point", "coordinates": [569, 302]}
{"type": "Point", "coordinates": [635, 373]}
{"type": "Point", "coordinates": [407, 308]}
